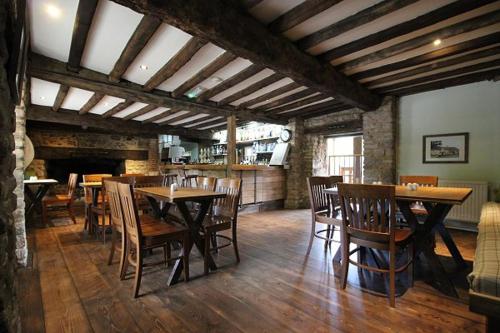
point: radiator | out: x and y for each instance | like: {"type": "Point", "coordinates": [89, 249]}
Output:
{"type": "Point", "coordinates": [470, 210]}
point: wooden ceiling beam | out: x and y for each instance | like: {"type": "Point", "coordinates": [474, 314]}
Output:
{"type": "Point", "coordinates": [251, 88]}
{"type": "Point", "coordinates": [433, 17]}
{"type": "Point", "coordinates": [230, 82]}
{"type": "Point", "coordinates": [326, 111]}
{"type": "Point", "coordinates": [161, 115]}
{"type": "Point", "coordinates": [437, 65]}
{"type": "Point", "coordinates": [313, 108]}
{"type": "Point", "coordinates": [96, 98]}
{"type": "Point", "coordinates": [175, 63]}
{"type": "Point", "coordinates": [365, 16]}
{"type": "Point", "coordinates": [55, 71]}
{"type": "Point", "coordinates": [300, 13]}
{"type": "Point", "coordinates": [225, 24]}
{"type": "Point", "coordinates": [140, 112]}
{"type": "Point", "coordinates": [302, 102]}
{"type": "Point", "coordinates": [61, 95]}
{"type": "Point", "coordinates": [199, 120]}
{"type": "Point", "coordinates": [131, 127]}
{"type": "Point", "coordinates": [83, 21]}
{"type": "Point", "coordinates": [287, 99]}
{"type": "Point", "coordinates": [352, 126]}
{"type": "Point", "coordinates": [141, 36]}
{"type": "Point", "coordinates": [251, 3]}
{"type": "Point", "coordinates": [451, 82]}
{"type": "Point", "coordinates": [204, 74]}
{"type": "Point", "coordinates": [448, 51]}
{"type": "Point", "coordinates": [177, 118]}
{"type": "Point", "coordinates": [212, 123]}
{"type": "Point", "coordinates": [438, 76]}
{"type": "Point", "coordinates": [262, 98]}
{"type": "Point", "coordinates": [119, 107]}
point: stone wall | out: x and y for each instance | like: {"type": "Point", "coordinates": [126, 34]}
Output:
{"type": "Point", "coordinates": [9, 311]}
{"type": "Point", "coordinates": [295, 181]}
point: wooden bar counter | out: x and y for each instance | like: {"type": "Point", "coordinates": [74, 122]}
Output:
{"type": "Point", "coordinates": [262, 184]}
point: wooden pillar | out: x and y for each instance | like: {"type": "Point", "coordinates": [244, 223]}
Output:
{"type": "Point", "coordinates": [231, 143]}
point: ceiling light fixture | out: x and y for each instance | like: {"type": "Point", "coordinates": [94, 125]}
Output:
{"type": "Point", "coordinates": [195, 92]}
{"type": "Point", "coordinates": [53, 11]}
{"type": "Point", "coordinates": [143, 67]}
{"type": "Point", "coordinates": [437, 42]}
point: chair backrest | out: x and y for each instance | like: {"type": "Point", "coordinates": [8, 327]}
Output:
{"type": "Point", "coordinates": [130, 214]}
{"type": "Point", "coordinates": [431, 181]}
{"type": "Point", "coordinates": [131, 174]}
{"type": "Point", "coordinates": [368, 211]}
{"type": "Point", "coordinates": [170, 178]}
{"type": "Point", "coordinates": [149, 181]}
{"type": "Point", "coordinates": [73, 177]}
{"type": "Point", "coordinates": [114, 202]}
{"type": "Point", "coordinates": [227, 206]}
{"type": "Point", "coordinates": [93, 178]}
{"type": "Point", "coordinates": [318, 200]}
{"type": "Point", "coordinates": [207, 183]}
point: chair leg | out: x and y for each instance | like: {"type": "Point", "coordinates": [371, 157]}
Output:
{"type": "Point", "coordinates": [113, 245]}
{"type": "Point", "coordinates": [311, 237]}
{"type": "Point", "coordinates": [104, 228]}
{"type": "Point", "coordinates": [124, 257]}
{"type": "Point", "coordinates": [392, 278]}
{"type": "Point", "coordinates": [167, 253]}
{"type": "Point", "coordinates": [344, 261]}
{"type": "Point", "coordinates": [87, 218]}
{"type": "Point", "coordinates": [327, 236]}
{"type": "Point", "coordinates": [44, 213]}
{"type": "Point", "coordinates": [411, 254]}
{"type": "Point", "coordinates": [138, 272]}
{"type": "Point", "coordinates": [185, 257]}
{"type": "Point", "coordinates": [71, 213]}
{"type": "Point", "coordinates": [235, 243]}
{"type": "Point", "coordinates": [207, 251]}
{"type": "Point", "coordinates": [213, 239]}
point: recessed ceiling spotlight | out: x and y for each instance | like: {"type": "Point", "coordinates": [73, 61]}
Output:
{"type": "Point", "coordinates": [437, 42]}
{"type": "Point", "coordinates": [143, 67]}
{"type": "Point", "coordinates": [42, 97]}
{"type": "Point", "coordinates": [53, 11]}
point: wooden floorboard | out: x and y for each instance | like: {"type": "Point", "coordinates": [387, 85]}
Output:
{"type": "Point", "coordinates": [275, 288]}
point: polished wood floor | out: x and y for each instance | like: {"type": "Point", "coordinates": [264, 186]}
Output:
{"type": "Point", "coordinates": [70, 288]}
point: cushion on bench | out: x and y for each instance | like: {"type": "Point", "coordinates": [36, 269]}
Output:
{"type": "Point", "coordinates": [485, 276]}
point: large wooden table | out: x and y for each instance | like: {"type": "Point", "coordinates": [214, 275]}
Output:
{"type": "Point", "coordinates": [36, 198]}
{"type": "Point", "coordinates": [158, 195]}
{"type": "Point", "coordinates": [438, 201]}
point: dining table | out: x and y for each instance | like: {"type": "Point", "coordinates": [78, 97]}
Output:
{"type": "Point", "coordinates": [35, 198]}
{"type": "Point", "coordinates": [438, 201]}
{"type": "Point", "coordinates": [162, 198]}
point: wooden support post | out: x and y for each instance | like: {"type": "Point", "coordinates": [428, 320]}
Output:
{"type": "Point", "coordinates": [231, 143]}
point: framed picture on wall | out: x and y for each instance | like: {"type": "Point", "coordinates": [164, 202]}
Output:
{"type": "Point", "coordinates": [446, 148]}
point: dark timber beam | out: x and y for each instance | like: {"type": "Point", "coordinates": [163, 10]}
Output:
{"type": "Point", "coordinates": [61, 95]}
{"type": "Point", "coordinates": [448, 51]}
{"type": "Point", "coordinates": [144, 31]}
{"type": "Point", "coordinates": [344, 127]}
{"type": "Point", "coordinates": [196, 121]}
{"type": "Point", "coordinates": [326, 111]}
{"type": "Point", "coordinates": [140, 112]}
{"type": "Point", "coordinates": [226, 25]}
{"type": "Point", "coordinates": [262, 98]}
{"type": "Point", "coordinates": [55, 71]}
{"type": "Point", "coordinates": [287, 99]}
{"type": "Point", "coordinates": [222, 122]}
{"type": "Point", "coordinates": [365, 16]}
{"type": "Point", "coordinates": [204, 74]}
{"type": "Point", "coordinates": [175, 63]}
{"type": "Point", "coordinates": [96, 98]}
{"type": "Point", "coordinates": [300, 13]}
{"type": "Point", "coordinates": [251, 88]}
{"type": "Point", "coordinates": [177, 118]}
{"type": "Point", "coordinates": [119, 107]}
{"type": "Point", "coordinates": [302, 102]}
{"type": "Point", "coordinates": [69, 117]}
{"type": "Point", "coordinates": [313, 108]}
{"type": "Point", "coordinates": [161, 115]}
{"type": "Point", "coordinates": [83, 21]}
{"type": "Point", "coordinates": [230, 82]}
{"type": "Point", "coordinates": [435, 16]}
{"type": "Point", "coordinates": [251, 3]}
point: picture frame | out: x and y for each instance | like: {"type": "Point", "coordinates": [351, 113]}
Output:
{"type": "Point", "coordinates": [446, 148]}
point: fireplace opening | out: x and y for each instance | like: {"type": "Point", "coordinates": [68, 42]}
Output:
{"type": "Point", "coordinates": [60, 169]}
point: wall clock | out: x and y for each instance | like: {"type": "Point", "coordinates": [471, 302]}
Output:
{"type": "Point", "coordinates": [286, 135]}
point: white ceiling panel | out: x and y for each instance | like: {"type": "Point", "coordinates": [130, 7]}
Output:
{"type": "Point", "coordinates": [243, 84]}
{"type": "Point", "coordinates": [43, 92]}
{"type": "Point", "coordinates": [278, 97]}
{"type": "Point", "coordinates": [125, 112]}
{"type": "Point", "coordinates": [202, 58]}
{"type": "Point", "coordinates": [203, 122]}
{"type": "Point", "coordinates": [233, 68]}
{"type": "Point", "coordinates": [106, 104]}
{"type": "Point", "coordinates": [263, 91]}
{"type": "Point", "coordinates": [303, 106]}
{"type": "Point", "coordinates": [268, 10]}
{"type": "Point", "coordinates": [180, 113]}
{"type": "Point", "coordinates": [197, 116]}
{"type": "Point", "coordinates": [151, 114]}
{"type": "Point", "coordinates": [295, 100]}
{"type": "Point", "coordinates": [164, 44]}
{"type": "Point", "coordinates": [112, 27]}
{"type": "Point", "coordinates": [330, 16]}
{"type": "Point", "coordinates": [76, 98]}
{"type": "Point", "coordinates": [214, 125]}
{"type": "Point", "coordinates": [51, 36]}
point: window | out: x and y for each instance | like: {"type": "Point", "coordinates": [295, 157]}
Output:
{"type": "Point", "coordinates": [345, 157]}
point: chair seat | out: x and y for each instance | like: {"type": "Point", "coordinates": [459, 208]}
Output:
{"type": "Point", "coordinates": [159, 228]}
{"type": "Point", "coordinates": [326, 218]}
{"type": "Point", "coordinates": [402, 235]}
{"type": "Point", "coordinates": [58, 198]}
{"type": "Point", "coordinates": [217, 223]}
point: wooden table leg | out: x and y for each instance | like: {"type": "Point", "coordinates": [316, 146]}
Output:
{"type": "Point", "coordinates": [35, 199]}
{"type": "Point", "coordinates": [158, 211]}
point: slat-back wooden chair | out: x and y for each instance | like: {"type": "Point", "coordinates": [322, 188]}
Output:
{"type": "Point", "coordinates": [323, 210]}
{"type": "Point", "coordinates": [369, 221]}
{"type": "Point", "coordinates": [111, 185]}
{"type": "Point", "coordinates": [224, 216]}
{"type": "Point", "coordinates": [207, 183]}
{"type": "Point", "coordinates": [170, 178]}
{"type": "Point", "coordinates": [147, 236]}
{"type": "Point", "coordinates": [147, 181]}
{"type": "Point", "coordinates": [187, 180]}
{"type": "Point", "coordinates": [88, 196]}
{"type": "Point", "coordinates": [424, 181]}
{"type": "Point", "coordinates": [59, 200]}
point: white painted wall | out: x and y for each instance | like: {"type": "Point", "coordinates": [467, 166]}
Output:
{"type": "Point", "coordinates": [473, 108]}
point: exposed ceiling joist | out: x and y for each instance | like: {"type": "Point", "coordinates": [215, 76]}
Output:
{"type": "Point", "coordinates": [96, 98]}
{"type": "Point", "coordinates": [140, 112]}
{"type": "Point", "coordinates": [251, 3]}
{"type": "Point", "coordinates": [121, 106]}
{"type": "Point", "coordinates": [61, 95]}
{"type": "Point", "coordinates": [198, 121]}
{"type": "Point", "coordinates": [269, 95]}
{"type": "Point", "coordinates": [144, 31]}
{"type": "Point", "coordinates": [302, 102]}
{"type": "Point", "coordinates": [52, 70]}
{"type": "Point", "coordinates": [70, 117]}
{"type": "Point", "coordinates": [177, 118]}
{"type": "Point", "coordinates": [226, 25]}
{"type": "Point", "coordinates": [161, 115]}
{"type": "Point", "coordinates": [251, 89]}
{"type": "Point", "coordinates": [326, 111]}
{"type": "Point", "coordinates": [287, 99]}
{"type": "Point", "coordinates": [312, 108]}
{"type": "Point", "coordinates": [83, 21]}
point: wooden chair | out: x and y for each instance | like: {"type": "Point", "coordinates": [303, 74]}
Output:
{"type": "Point", "coordinates": [170, 178]}
{"type": "Point", "coordinates": [88, 196]}
{"type": "Point", "coordinates": [323, 211]}
{"type": "Point", "coordinates": [207, 183]}
{"type": "Point", "coordinates": [187, 180]}
{"type": "Point", "coordinates": [147, 236]}
{"type": "Point", "coordinates": [224, 216]}
{"type": "Point", "coordinates": [61, 200]}
{"type": "Point", "coordinates": [369, 221]}
{"type": "Point", "coordinates": [424, 181]}
{"type": "Point", "coordinates": [147, 181]}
